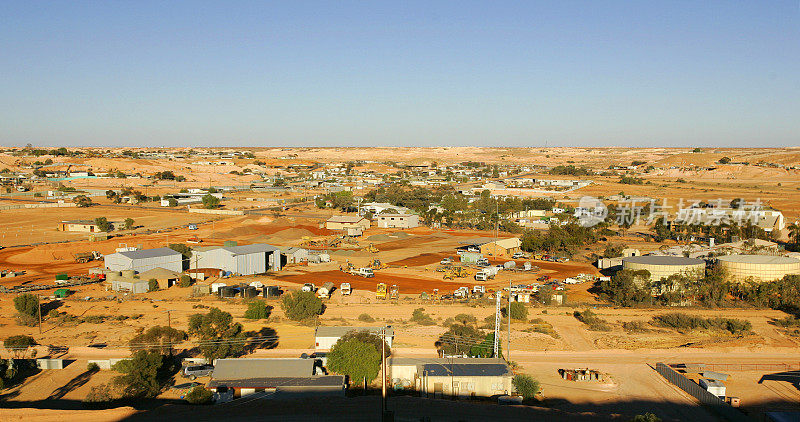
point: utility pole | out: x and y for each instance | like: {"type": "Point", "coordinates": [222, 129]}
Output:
{"type": "Point", "coordinates": [499, 295]}
{"type": "Point", "coordinates": [508, 351]}
{"type": "Point", "coordinates": [169, 318]}
{"type": "Point", "coordinates": [39, 308]}
{"type": "Point", "coordinates": [383, 374]}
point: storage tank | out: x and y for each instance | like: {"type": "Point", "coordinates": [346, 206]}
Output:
{"type": "Point", "coordinates": [661, 266]}
{"type": "Point", "coordinates": [228, 291]}
{"type": "Point", "coordinates": [760, 268]}
{"type": "Point", "coordinates": [248, 292]}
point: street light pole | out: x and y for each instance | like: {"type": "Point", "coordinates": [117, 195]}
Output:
{"type": "Point", "coordinates": [508, 352]}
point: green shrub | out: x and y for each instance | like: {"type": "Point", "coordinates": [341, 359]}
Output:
{"type": "Point", "coordinates": [593, 322]}
{"type": "Point", "coordinates": [635, 327]}
{"type": "Point", "coordinates": [300, 305]}
{"type": "Point", "coordinates": [366, 318]}
{"type": "Point", "coordinates": [185, 281]}
{"type": "Point", "coordinates": [152, 285]}
{"type": "Point", "coordinates": [257, 309]}
{"type": "Point", "coordinates": [199, 395]}
{"type": "Point", "coordinates": [518, 311]}
{"type": "Point", "coordinates": [92, 367]}
{"type": "Point", "coordinates": [526, 386]}
{"type": "Point", "coordinates": [420, 317]}
{"type": "Point", "coordinates": [98, 394]}
{"type": "Point", "coordinates": [684, 322]}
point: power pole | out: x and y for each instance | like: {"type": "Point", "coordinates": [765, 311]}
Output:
{"type": "Point", "coordinates": [169, 318]}
{"type": "Point", "coordinates": [499, 295]}
{"type": "Point", "coordinates": [508, 352]}
{"type": "Point", "coordinates": [39, 308]}
{"type": "Point", "coordinates": [383, 373]}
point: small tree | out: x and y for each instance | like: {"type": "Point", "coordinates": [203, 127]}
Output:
{"type": "Point", "coordinates": [301, 305]}
{"type": "Point", "coordinates": [19, 344]}
{"type": "Point", "coordinates": [199, 395]}
{"type": "Point", "coordinates": [221, 336]}
{"type": "Point", "coordinates": [82, 201]}
{"type": "Point", "coordinates": [172, 202]}
{"type": "Point", "coordinates": [518, 311]}
{"type": "Point", "coordinates": [152, 285]}
{"type": "Point", "coordinates": [356, 359]}
{"type": "Point", "coordinates": [102, 224]}
{"type": "Point", "coordinates": [366, 318]}
{"type": "Point", "coordinates": [526, 386]}
{"type": "Point", "coordinates": [466, 319]}
{"type": "Point", "coordinates": [183, 248]}
{"type": "Point", "coordinates": [724, 160]}
{"type": "Point", "coordinates": [157, 339]}
{"type": "Point", "coordinates": [98, 394]}
{"type": "Point", "coordinates": [210, 201]}
{"type": "Point", "coordinates": [27, 306]}
{"type": "Point", "coordinates": [185, 281]}
{"type": "Point", "coordinates": [129, 223]}
{"type": "Point", "coordinates": [257, 309]}
{"type": "Point", "coordinates": [647, 417]}
{"type": "Point", "coordinates": [140, 374]}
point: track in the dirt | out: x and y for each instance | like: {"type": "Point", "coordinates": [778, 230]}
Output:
{"type": "Point", "coordinates": [424, 259]}
{"type": "Point", "coordinates": [405, 284]}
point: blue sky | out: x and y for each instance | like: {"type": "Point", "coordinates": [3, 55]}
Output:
{"type": "Point", "coordinates": [363, 73]}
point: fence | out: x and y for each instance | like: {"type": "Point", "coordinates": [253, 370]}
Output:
{"type": "Point", "coordinates": [218, 212]}
{"type": "Point", "coordinates": [749, 366]}
{"type": "Point", "coordinates": [709, 400]}
{"type": "Point", "coordinates": [43, 205]}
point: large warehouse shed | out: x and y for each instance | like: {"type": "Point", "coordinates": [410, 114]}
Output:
{"type": "Point", "coordinates": [661, 266]}
{"type": "Point", "coordinates": [243, 260]}
{"type": "Point", "coordinates": [145, 260]}
{"type": "Point", "coordinates": [758, 267]}
{"type": "Point", "coordinates": [284, 376]}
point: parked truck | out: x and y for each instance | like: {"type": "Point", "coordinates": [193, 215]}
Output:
{"type": "Point", "coordinates": [394, 292]}
{"type": "Point", "coordinates": [380, 291]}
{"type": "Point", "coordinates": [345, 288]}
{"type": "Point", "coordinates": [324, 292]}
{"type": "Point", "coordinates": [486, 274]}
{"type": "Point", "coordinates": [365, 272]}
{"type": "Point", "coordinates": [84, 257]}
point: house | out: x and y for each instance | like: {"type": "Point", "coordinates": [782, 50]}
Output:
{"type": "Point", "coordinates": [295, 255]}
{"type": "Point", "coordinates": [288, 376]}
{"type": "Point", "coordinates": [502, 247]}
{"type": "Point", "coordinates": [87, 226]}
{"type": "Point", "coordinates": [166, 278]}
{"type": "Point", "coordinates": [379, 207]}
{"type": "Point", "coordinates": [243, 260]}
{"type": "Point", "coordinates": [326, 337]}
{"type": "Point", "coordinates": [398, 221]}
{"type": "Point", "coordinates": [456, 377]}
{"type": "Point", "coordinates": [344, 222]}
{"type": "Point", "coordinates": [144, 260]}
{"type": "Point", "coordinates": [132, 285]}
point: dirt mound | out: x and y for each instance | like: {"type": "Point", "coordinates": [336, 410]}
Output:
{"type": "Point", "coordinates": [389, 236]}
{"type": "Point", "coordinates": [292, 233]}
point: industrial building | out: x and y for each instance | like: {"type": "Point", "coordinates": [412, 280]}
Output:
{"type": "Point", "coordinates": [164, 277]}
{"type": "Point", "coordinates": [661, 266]}
{"type": "Point", "coordinates": [345, 222]}
{"type": "Point", "coordinates": [283, 376]}
{"type": "Point", "coordinates": [762, 268]}
{"type": "Point", "coordinates": [144, 260]}
{"type": "Point", "coordinates": [87, 226]}
{"type": "Point", "coordinates": [295, 255]}
{"type": "Point", "coordinates": [502, 247]}
{"type": "Point", "coordinates": [397, 221]}
{"type": "Point", "coordinates": [326, 337]}
{"type": "Point", "coordinates": [242, 260]}
{"type": "Point", "coordinates": [456, 377]}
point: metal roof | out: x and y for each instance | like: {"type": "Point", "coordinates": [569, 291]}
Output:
{"type": "Point", "coordinates": [159, 274]}
{"type": "Point", "coordinates": [241, 369]}
{"type": "Point", "coordinates": [248, 249]}
{"type": "Point", "coordinates": [662, 260]}
{"type": "Point", "coordinates": [338, 331]}
{"type": "Point", "coordinates": [466, 370]}
{"type": "Point", "coordinates": [273, 382]}
{"type": "Point", "coordinates": [759, 259]}
{"type": "Point", "coordinates": [393, 361]}
{"type": "Point", "coordinates": [149, 253]}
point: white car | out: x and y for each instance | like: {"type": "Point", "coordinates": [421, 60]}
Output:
{"type": "Point", "coordinates": [446, 261]}
{"type": "Point", "coordinates": [518, 255]}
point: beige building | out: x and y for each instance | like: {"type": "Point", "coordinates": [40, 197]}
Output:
{"type": "Point", "coordinates": [87, 226]}
{"type": "Point", "coordinates": [456, 377]}
{"type": "Point", "coordinates": [502, 247]}
{"type": "Point", "coordinates": [397, 221]}
{"type": "Point", "coordinates": [763, 268]}
{"type": "Point", "coordinates": [345, 222]}
{"type": "Point", "coordinates": [662, 266]}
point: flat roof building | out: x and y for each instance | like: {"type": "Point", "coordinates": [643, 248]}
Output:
{"type": "Point", "coordinates": [661, 266]}
{"type": "Point", "coordinates": [144, 260]}
{"type": "Point", "coordinates": [293, 376]}
{"type": "Point", "coordinates": [326, 337]}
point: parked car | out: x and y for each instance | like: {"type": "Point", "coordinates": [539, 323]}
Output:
{"type": "Point", "coordinates": [309, 287]}
{"type": "Point", "coordinates": [194, 371]}
{"type": "Point", "coordinates": [446, 261]}
{"type": "Point", "coordinates": [482, 262]}
{"type": "Point", "coordinates": [518, 255]}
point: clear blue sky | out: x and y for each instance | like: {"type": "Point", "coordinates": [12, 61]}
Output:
{"type": "Point", "coordinates": [429, 73]}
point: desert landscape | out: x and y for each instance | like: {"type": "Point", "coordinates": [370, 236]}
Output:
{"type": "Point", "coordinates": [286, 198]}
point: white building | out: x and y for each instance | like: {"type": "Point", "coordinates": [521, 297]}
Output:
{"type": "Point", "coordinates": [326, 337]}
{"type": "Point", "coordinates": [400, 221]}
{"type": "Point", "coordinates": [243, 260]}
{"type": "Point", "coordinates": [145, 260]}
